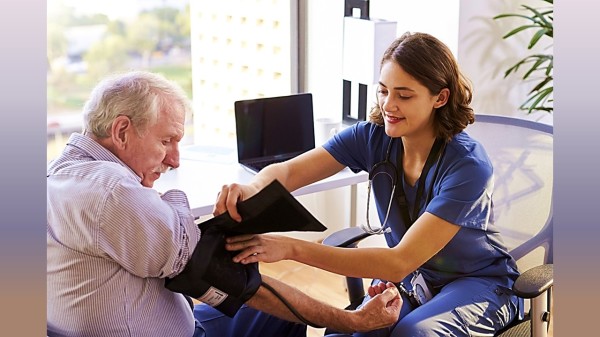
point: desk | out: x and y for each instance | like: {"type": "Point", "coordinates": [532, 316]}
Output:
{"type": "Point", "coordinates": [201, 178]}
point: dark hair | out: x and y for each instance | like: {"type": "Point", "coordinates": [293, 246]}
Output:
{"type": "Point", "coordinates": [430, 62]}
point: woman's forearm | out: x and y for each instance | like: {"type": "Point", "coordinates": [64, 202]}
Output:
{"type": "Point", "coordinates": [299, 171]}
{"type": "Point", "coordinates": [354, 262]}
{"type": "Point", "coordinates": [382, 263]}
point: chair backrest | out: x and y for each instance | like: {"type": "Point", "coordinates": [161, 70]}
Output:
{"type": "Point", "coordinates": [522, 154]}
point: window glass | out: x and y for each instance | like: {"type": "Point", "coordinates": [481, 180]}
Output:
{"type": "Point", "coordinates": [218, 51]}
{"type": "Point", "coordinates": [241, 49]}
{"type": "Point", "coordinates": [87, 40]}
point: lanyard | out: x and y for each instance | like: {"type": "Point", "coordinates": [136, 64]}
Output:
{"type": "Point", "coordinates": [435, 154]}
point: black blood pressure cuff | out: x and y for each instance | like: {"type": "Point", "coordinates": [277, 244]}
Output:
{"type": "Point", "coordinates": [211, 276]}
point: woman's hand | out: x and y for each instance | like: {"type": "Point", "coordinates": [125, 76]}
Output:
{"type": "Point", "coordinates": [264, 248]}
{"type": "Point", "coordinates": [228, 198]}
{"type": "Point", "coordinates": [379, 288]}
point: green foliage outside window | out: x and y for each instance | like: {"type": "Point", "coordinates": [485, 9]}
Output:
{"type": "Point", "coordinates": [141, 43]}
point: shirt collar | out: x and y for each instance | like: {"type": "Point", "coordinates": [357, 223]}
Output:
{"type": "Point", "coordinates": [96, 151]}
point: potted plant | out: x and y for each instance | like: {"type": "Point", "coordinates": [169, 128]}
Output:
{"type": "Point", "coordinates": [540, 66]}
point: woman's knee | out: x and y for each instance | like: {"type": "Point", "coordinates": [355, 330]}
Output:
{"type": "Point", "coordinates": [417, 326]}
{"type": "Point", "coordinates": [414, 329]}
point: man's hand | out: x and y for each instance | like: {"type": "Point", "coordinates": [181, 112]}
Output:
{"type": "Point", "coordinates": [381, 311]}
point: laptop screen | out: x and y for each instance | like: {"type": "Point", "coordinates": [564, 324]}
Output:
{"type": "Point", "coordinates": [274, 128]}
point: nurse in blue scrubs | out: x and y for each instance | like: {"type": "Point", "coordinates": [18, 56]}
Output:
{"type": "Point", "coordinates": [432, 186]}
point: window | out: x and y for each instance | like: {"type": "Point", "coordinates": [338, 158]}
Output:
{"type": "Point", "coordinates": [218, 51]}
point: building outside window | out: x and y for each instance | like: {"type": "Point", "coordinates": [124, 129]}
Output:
{"type": "Point", "coordinates": [241, 49]}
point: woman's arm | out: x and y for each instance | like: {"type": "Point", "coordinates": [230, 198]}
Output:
{"type": "Point", "coordinates": [427, 236]}
{"type": "Point", "coordinates": [295, 173]}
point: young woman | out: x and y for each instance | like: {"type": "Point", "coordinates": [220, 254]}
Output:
{"type": "Point", "coordinates": [432, 186]}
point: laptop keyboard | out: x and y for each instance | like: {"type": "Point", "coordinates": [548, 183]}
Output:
{"type": "Point", "coordinates": [262, 164]}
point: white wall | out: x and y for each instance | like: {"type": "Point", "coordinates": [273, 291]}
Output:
{"type": "Point", "coordinates": [325, 34]}
{"type": "Point", "coordinates": [466, 26]}
{"type": "Point", "coordinates": [436, 17]}
{"type": "Point", "coordinates": [323, 70]}
{"type": "Point", "coordinates": [484, 56]}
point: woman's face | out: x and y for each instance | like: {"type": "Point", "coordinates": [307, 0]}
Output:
{"type": "Point", "coordinates": [406, 105]}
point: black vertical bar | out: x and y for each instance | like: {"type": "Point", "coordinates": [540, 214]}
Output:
{"type": "Point", "coordinates": [362, 102]}
{"type": "Point", "coordinates": [361, 99]}
{"type": "Point", "coordinates": [347, 97]}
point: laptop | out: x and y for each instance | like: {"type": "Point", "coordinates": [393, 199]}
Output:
{"type": "Point", "coordinates": [273, 129]}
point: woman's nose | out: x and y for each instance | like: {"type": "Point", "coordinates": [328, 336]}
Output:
{"type": "Point", "coordinates": [388, 104]}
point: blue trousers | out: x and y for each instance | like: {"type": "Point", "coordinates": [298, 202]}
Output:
{"type": "Point", "coordinates": [466, 307]}
{"type": "Point", "coordinates": [247, 322]}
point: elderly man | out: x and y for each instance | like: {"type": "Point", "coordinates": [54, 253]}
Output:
{"type": "Point", "coordinates": [112, 240]}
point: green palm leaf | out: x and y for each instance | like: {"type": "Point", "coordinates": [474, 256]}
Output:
{"type": "Point", "coordinates": [542, 65]}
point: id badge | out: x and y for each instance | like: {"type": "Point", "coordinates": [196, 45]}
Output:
{"type": "Point", "coordinates": [420, 288]}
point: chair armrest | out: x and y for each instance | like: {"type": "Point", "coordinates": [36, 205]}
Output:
{"type": "Point", "coordinates": [349, 238]}
{"type": "Point", "coordinates": [534, 281]}
{"type": "Point", "coordinates": [346, 238]}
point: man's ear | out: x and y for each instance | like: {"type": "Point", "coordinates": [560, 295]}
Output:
{"type": "Point", "coordinates": [442, 98]}
{"type": "Point", "coordinates": [120, 131]}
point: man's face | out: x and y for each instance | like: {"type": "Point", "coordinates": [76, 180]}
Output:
{"type": "Point", "coordinates": [157, 149]}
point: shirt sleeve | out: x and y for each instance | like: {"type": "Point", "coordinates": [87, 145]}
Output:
{"type": "Point", "coordinates": [465, 194]}
{"type": "Point", "coordinates": [147, 234]}
{"type": "Point", "coordinates": [349, 146]}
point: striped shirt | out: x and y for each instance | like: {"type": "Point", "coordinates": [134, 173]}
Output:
{"type": "Point", "coordinates": [110, 244]}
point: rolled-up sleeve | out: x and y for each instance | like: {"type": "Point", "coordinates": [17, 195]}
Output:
{"type": "Point", "coordinates": [465, 195]}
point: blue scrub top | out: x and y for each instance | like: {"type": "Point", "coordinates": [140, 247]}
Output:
{"type": "Point", "coordinates": [461, 194]}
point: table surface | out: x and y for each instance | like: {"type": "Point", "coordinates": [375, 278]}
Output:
{"type": "Point", "coordinates": [204, 170]}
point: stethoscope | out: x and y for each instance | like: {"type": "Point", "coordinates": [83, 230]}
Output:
{"type": "Point", "coordinates": [383, 167]}
{"type": "Point", "coordinates": [388, 168]}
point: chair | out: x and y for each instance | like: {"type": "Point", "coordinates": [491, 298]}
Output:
{"type": "Point", "coordinates": [522, 155]}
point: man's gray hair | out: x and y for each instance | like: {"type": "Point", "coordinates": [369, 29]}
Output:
{"type": "Point", "coordinates": [139, 95]}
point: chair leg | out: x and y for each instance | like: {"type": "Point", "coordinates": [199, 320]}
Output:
{"type": "Point", "coordinates": [356, 290]}
{"type": "Point", "coordinates": [540, 315]}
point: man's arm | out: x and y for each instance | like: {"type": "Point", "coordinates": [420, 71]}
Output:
{"type": "Point", "coordinates": [381, 311]}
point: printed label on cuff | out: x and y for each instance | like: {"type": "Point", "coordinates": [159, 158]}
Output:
{"type": "Point", "coordinates": [213, 297]}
